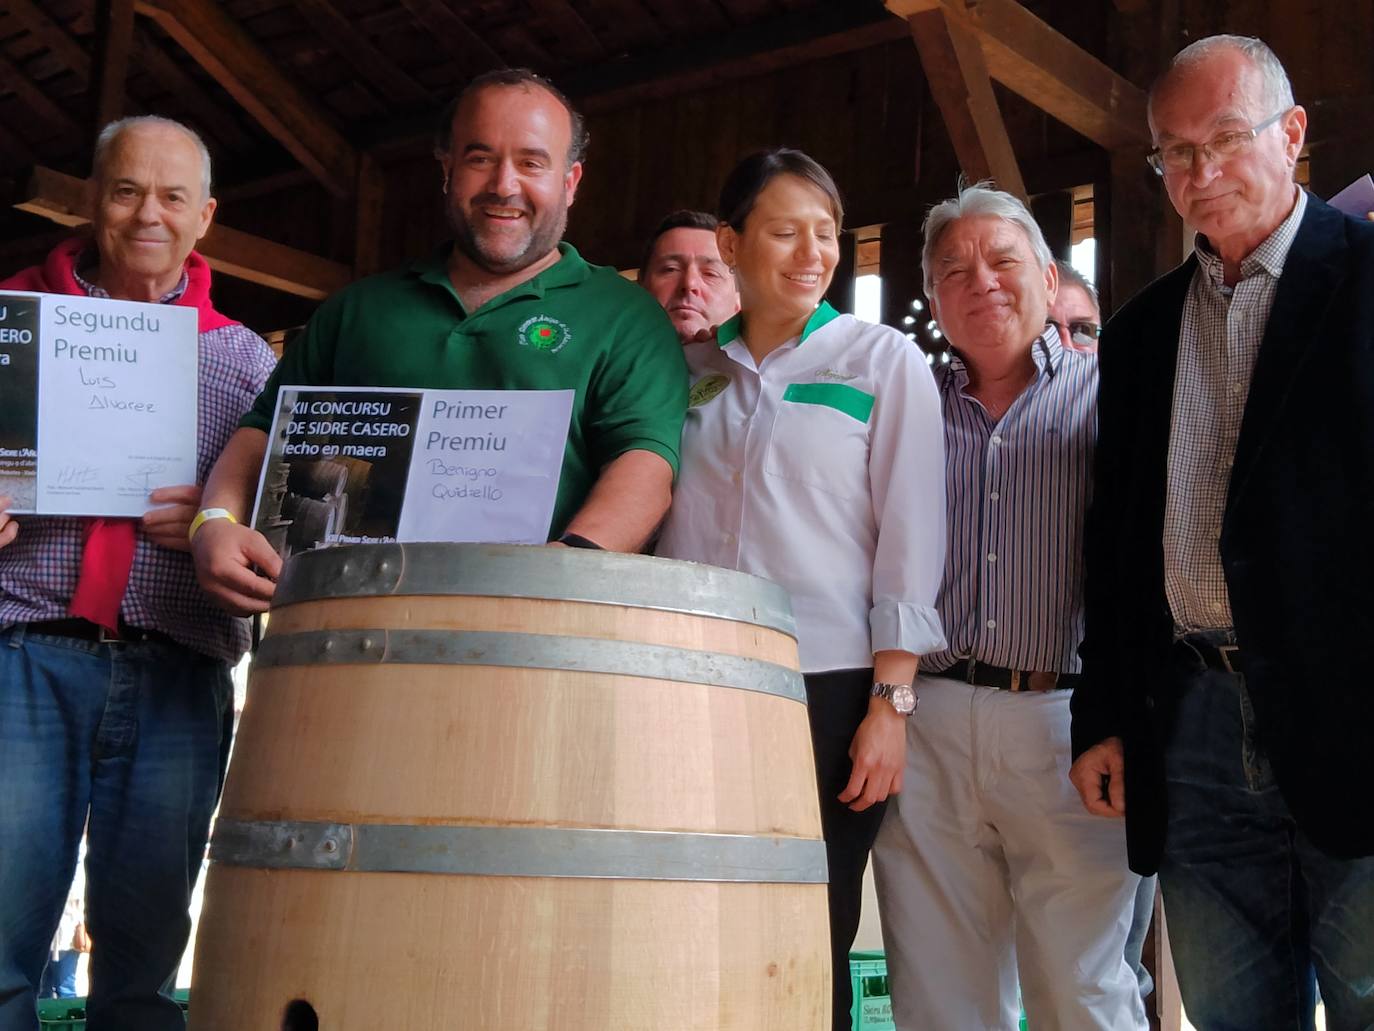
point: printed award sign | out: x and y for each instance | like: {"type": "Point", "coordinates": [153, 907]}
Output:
{"type": "Point", "coordinates": [363, 465]}
{"type": "Point", "coordinates": [97, 403]}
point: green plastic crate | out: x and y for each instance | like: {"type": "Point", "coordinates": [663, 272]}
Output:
{"type": "Point", "coordinates": [872, 1007]}
{"type": "Point", "coordinates": [70, 1014]}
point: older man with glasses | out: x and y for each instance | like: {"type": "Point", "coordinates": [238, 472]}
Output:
{"type": "Point", "coordinates": [1224, 704]}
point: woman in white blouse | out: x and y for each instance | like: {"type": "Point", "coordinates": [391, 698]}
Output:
{"type": "Point", "coordinates": [813, 455]}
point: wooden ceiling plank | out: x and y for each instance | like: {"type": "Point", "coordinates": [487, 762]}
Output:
{"type": "Point", "coordinates": [219, 45]}
{"type": "Point", "coordinates": [958, 77]}
{"type": "Point", "coordinates": [198, 103]}
{"type": "Point", "coordinates": [64, 199]}
{"type": "Point", "coordinates": [579, 40]}
{"type": "Point", "coordinates": [1057, 75]}
{"type": "Point", "coordinates": [115, 36]}
{"type": "Point", "coordinates": [358, 51]}
{"type": "Point", "coordinates": [470, 50]}
{"type": "Point", "coordinates": [53, 36]}
{"type": "Point", "coordinates": [36, 98]}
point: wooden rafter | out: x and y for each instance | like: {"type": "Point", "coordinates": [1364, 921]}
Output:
{"type": "Point", "coordinates": [64, 199]}
{"type": "Point", "coordinates": [959, 81]}
{"type": "Point", "coordinates": [209, 115]}
{"type": "Point", "coordinates": [36, 98]}
{"type": "Point", "coordinates": [358, 50]}
{"type": "Point", "coordinates": [54, 37]}
{"type": "Point", "coordinates": [580, 41]}
{"type": "Point", "coordinates": [221, 46]}
{"type": "Point", "coordinates": [470, 50]}
{"type": "Point", "coordinates": [115, 31]}
{"type": "Point", "coordinates": [1061, 78]}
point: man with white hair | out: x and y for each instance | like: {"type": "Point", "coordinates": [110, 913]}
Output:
{"type": "Point", "coordinates": [115, 694]}
{"type": "Point", "coordinates": [1224, 709]}
{"type": "Point", "coordinates": [987, 867]}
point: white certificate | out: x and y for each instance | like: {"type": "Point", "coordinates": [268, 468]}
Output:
{"type": "Point", "coordinates": [110, 391]}
{"type": "Point", "coordinates": [363, 465]}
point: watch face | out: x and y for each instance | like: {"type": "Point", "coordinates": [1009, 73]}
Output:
{"type": "Point", "coordinates": [903, 699]}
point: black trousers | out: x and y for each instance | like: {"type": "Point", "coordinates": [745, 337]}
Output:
{"type": "Point", "coordinates": [837, 702]}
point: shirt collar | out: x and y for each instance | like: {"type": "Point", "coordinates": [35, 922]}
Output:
{"type": "Point", "coordinates": [1268, 257]}
{"type": "Point", "coordinates": [1047, 351]}
{"type": "Point", "coordinates": [729, 330]}
{"type": "Point", "coordinates": [570, 269]}
{"type": "Point", "coordinates": [87, 261]}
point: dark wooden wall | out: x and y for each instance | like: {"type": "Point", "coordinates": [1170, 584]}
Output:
{"type": "Point", "coordinates": [868, 116]}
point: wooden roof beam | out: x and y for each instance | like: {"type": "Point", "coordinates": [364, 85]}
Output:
{"type": "Point", "coordinates": [64, 199]}
{"type": "Point", "coordinates": [358, 50]}
{"type": "Point", "coordinates": [220, 45]}
{"type": "Point", "coordinates": [1061, 78]}
{"type": "Point", "coordinates": [953, 63]}
{"type": "Point", "coordinates": [470, 50]}
{"type": "Point", "coordinates": [54, 37]}
{"type": "Point", "coordinates": [115, 34]}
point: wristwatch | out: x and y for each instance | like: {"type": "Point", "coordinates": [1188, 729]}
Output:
{"type": "Point", "coordinates": [901, 696]}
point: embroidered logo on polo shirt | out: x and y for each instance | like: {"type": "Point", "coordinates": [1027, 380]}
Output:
{"type": "Point", "coordinates": [835, 376]}
{"type": "Point", "coordinates": [705, 389]}
{"type": "Point", "coordinates": [544, 333]}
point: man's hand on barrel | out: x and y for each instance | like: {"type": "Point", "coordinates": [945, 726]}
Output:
{"type": "Point", "coordinates": [879, 754]}
{"type": "Point", "coordinates": [226, 554]}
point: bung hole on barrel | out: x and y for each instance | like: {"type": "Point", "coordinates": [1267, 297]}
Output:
{"type": "Point", "coordinates": [299, 1015]}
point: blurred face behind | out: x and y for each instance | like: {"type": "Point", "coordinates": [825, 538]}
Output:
{"type": "Point", "coordinates": [1072, 306]}
{"type": "Point", "coordinates": [509, 183]}
{"type": "Point", "coordinates": [149, 210]}
{"type": "Point", "coordinates": [991, 295]}
{"type": "Point", "coordinates": [688, 278]}
{"type": "Point", "coordinates": [1235, 201]}
{"type": "Point", "coordinates": [786, 254]}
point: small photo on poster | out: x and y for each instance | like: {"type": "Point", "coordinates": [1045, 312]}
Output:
{"type": "Point", "coordinates": [336, 468]}
{"type": "Point", "coordinates": [19, 410]}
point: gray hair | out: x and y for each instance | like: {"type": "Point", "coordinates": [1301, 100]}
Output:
{"type": "Point", "coordinates": [112, 132]}
{"type": "Point", "coordinates": [981, 198]}
{"type": "Point", "coordinates": [1070, 276]}
{"type": "Point", "coordinates": [1278, 91]}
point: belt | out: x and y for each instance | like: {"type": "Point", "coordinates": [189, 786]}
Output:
{"type": "Point", "coordinates": [1216, 648]}
{"type": "Point", "coordinates": [981, 674]}
{"type": "Point", "coordinates": [85, 630]}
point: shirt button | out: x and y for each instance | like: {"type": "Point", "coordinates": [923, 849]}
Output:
{"type": "Point", "coordinates": [997, 438]}
{"type": "Point", "coordinates": [992, 556]}
{"type": "Point", "coordinates": [992, 624]}
{"type": "Point", "coordinates": [995, 496]}
{"type": "Point", "coordinates": [737, 479]}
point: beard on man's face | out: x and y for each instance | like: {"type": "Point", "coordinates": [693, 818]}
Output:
{"type": "Point", "coordinates": [503, 250]}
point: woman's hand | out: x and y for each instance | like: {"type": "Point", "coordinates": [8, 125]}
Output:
{"type": "Point", "coordinates": [879, 755]}
{"type": "Point", "coordinates": [9, 529]}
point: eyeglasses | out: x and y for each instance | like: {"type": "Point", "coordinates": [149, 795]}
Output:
{"type": "Point", "coordinates": [1084, 334]}
{"type": "Point", "coordinates": [1179, 157]}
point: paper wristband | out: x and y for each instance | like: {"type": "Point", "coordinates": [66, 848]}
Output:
{"type": "Point", "coordinates": [204, 516]}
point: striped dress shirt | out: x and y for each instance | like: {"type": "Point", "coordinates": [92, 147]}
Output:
{"type": "Point", "coordinates": [1016, 491]}
{"type": "Point", "coordinates": [1219, 340]}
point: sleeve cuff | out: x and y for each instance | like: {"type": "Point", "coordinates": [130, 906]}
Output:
{"type": "Point", "coordinates": [904, 626]}
{"type": "Point", "coordinates": [664, 451]}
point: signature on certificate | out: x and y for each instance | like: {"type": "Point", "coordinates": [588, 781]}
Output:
{"type": "Point", "coordinates": [76, 475]}
{"type": "Point", "coordinates": [143, 476]}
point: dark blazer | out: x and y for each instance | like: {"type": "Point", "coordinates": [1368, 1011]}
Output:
{"type": "Point", "coordinates": [1297, 541]}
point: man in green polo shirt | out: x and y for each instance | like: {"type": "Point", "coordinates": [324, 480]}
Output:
{"type": "Point", "coordinates": [506, 305]}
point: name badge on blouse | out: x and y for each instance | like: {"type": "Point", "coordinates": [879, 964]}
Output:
{"type": "Point", "coordinates": [707, 388]}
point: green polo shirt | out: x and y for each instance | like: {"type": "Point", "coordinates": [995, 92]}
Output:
{"type": "Point", "coordinates": [574, 326]}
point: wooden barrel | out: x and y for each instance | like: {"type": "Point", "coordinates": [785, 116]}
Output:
{"type": "Point", "coordinates": [495, 787]}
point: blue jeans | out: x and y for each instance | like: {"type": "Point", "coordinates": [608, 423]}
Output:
{"type": "Point", "coordinates": [1255, 912]}
{"type": "Point", "coordinates": [134, 738]}
{"type": "Point", "coordinates": [59, 976]}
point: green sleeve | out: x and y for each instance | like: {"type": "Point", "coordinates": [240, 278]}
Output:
{"type": "Point", "coordinates": [307, 361]}
{"type": "Point", "coordinates": [637, 400]}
